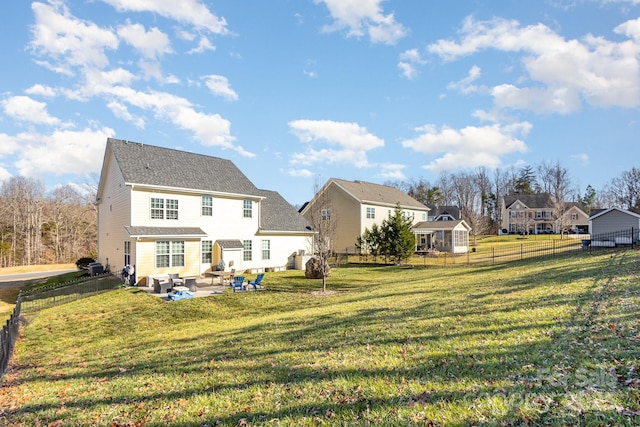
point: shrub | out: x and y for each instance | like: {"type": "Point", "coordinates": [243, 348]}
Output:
{"type": "Point", "coordinates": [83, 263]}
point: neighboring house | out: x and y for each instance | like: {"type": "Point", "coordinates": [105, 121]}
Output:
{"type": "Point", "coordinates": [355, 206]}
{"type": "Point", "coordinates": [538, 214]}
{"type": "Point", "coordinates": [169, 211]}
{"type": "Point", "coordinates": [613, 221]}
{"type": "Point", "coordinates": [442, 235]}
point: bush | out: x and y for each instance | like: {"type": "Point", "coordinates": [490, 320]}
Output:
{"type": "Point", "coordinates": [83, 263]}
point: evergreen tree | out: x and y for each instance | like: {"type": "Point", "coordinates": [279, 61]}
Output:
{"type": "Point", "coordinates": [589, 199]}
{"type": "Point", "coordinates": [398, 239]}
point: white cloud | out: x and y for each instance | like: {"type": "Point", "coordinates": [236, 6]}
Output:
{"type": "Point", "coordinates": [41, 90]}
{"type": "Point", "coordinates": [203, 45]}
{"type": "Point", "coordinates": [54, 153]}
{"type": "Point", "coordinates": [364, 17]}
{"type": "Point", "coordinates": [564, 73]}
{"type": "Point", "coordinates": [409, 59]}
{"type": "Point", "coordinates": [120, 110]}
{"type": "Point", "coordinates": [352, 142]}
{"type": "Point", "coordinates": [8, 144]}
{"type": "Point", "coordinates": [25, 109]}
{"type": "Point", "coordinates": [469, 147]}
{"type": "Point", "coordinates": [152, 44]}
{"type": "Point", "coordinates": [4, 174]}
{"type": "Point", "coordinates": [69, 41]}
{"type": "Point", "coordinates": [392, 171]}
{"type": "Point", "coordinates": [583, 158]}
{"type": "Point", "coordinates": [300, 173]}
{"type": "Point", "coordinates": [466, 86]}
{"type": "Point", "coordinates": [191, 12]}
{"type": "Point", "coordinates": [219, 85]}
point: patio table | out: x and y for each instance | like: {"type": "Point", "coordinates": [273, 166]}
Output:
{"type": "Point", "coordinates": [220, 274]}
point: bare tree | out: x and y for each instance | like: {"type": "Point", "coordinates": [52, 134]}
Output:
{"type": "Point", "coordinates": [323, 219]}
{"type": "Point", "coordinates": [625, 190]}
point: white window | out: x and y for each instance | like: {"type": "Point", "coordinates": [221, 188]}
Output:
{"type": "Point", "coordinates": [246, 250]}
{"type": "Point", "coordinates": [161, 208]}
{"type": "Point", "coordinates": [538, 214]}
{"type": "Point", "coordinates": [326, 214]}
{"type": "Point", "coordinates": [266, 249]}
{"type": "Point", "coordinates": [157, 208]}
{"type": "Point", "coordinates": [207, 206]}
{"type": "Point", "coordinates": [127, 252]}
{"type": "Point", "coordinates": [574, 217]}
{"type": "Point", "coordinates": [371, 213]}
{"type": "Point", "coordinates": [247, 209]}
{"type": "Point", "coordinates": [172, 209]}
{"type": "Point", "coordinates": [169, 253]}
{"type": "Point", "coordinates": [206, 252]}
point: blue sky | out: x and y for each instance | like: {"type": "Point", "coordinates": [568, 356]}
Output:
{"type": "Point", "coordinates": [295, 92]}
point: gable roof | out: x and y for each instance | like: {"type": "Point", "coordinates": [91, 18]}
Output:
{"type": "Point", "coordinates": [144, 164]}
{"type": "Point", "coordinates": [606, 211]}
{"type": "Point", "coordinates": [366, 192]}
{"type": "Point", "coordinates": [532, 201]}
{"type": "Point", "coordinates": [439, 225]}
{"type": "Point", "coordinates": [436, 211]}
{"type": "Point", "coordinates": [278, 215]}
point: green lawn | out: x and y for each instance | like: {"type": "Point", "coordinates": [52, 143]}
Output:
{"type": "Point", "coordinates": [551, 342]}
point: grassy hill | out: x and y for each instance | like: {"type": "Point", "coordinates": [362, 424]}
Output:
{"type": "Point", "coordinates": [551, 342]}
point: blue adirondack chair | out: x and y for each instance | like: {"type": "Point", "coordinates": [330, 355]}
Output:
{"type": "Point", "coordinates": [238, 283]}
{"type": "Point", "coordinates": [255, 283]}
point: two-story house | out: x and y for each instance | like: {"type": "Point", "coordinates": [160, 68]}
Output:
{"type": "Point", "coordinates": [538, 214]}
{"type": "Point", "coordinates": [357, 205]}
{"type": "Point", "coordinates": [169, 211]}
{"type": "Point", "coordinates": [354, 206]}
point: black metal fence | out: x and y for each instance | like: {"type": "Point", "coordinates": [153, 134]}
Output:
{"type": "Point", "coordinates": [35, 299]}
{"type": "Point", "coordinates": [8, 337]}
{"type": "Point", "coordinates": [487, 254]}
{"type": "Point", "coordinates": [617, 239]}
{"type": "Point", "coordinates": [49, 296]}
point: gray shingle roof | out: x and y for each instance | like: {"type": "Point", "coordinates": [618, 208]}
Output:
{"type": "Point", "coordinates": [381, 194]}
{"type": "Point", "coordinates": [278, 215]}
{"type": "Point", "coordinates": [230, 244]}
{"type": "Point", "coordinates": [166, 167]}
{"type": "Point", "coordinates": [532, 201]}
{"type": "Point", "coordinates": [436, 211]}
{"type": "Point", "coordinates": [438, 225]}
{"type": "Point", "coordinates": [140, 231]}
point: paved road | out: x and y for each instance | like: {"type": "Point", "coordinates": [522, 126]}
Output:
{"type": "Point", "coordinates": [10, 280]}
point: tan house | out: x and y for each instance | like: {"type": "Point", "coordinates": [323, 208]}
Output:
{"type": "Point", "coordinates": [168, 211]}
{"type": "Point", "coordinates": [354, 206]}
{"type": "Point", "coordinates": [538, 214]}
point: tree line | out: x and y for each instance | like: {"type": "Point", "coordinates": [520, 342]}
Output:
{"type": "Point", "coordinates": [40, 227]}
{"type": "Point", "coordinates": [478, 193]}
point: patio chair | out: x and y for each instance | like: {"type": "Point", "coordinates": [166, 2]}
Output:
{"type": "Point", "coordinates": [160, 287]}
{"type": "Point", "coordinates": [255, 283]}
{"type": "Point", "coordinates": [190, 282]}
{"type": "Point", "coordinates": [238, 283]}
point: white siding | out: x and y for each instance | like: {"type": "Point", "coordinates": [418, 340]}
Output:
{"type": "Point", "coordinates": [113, 216]}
